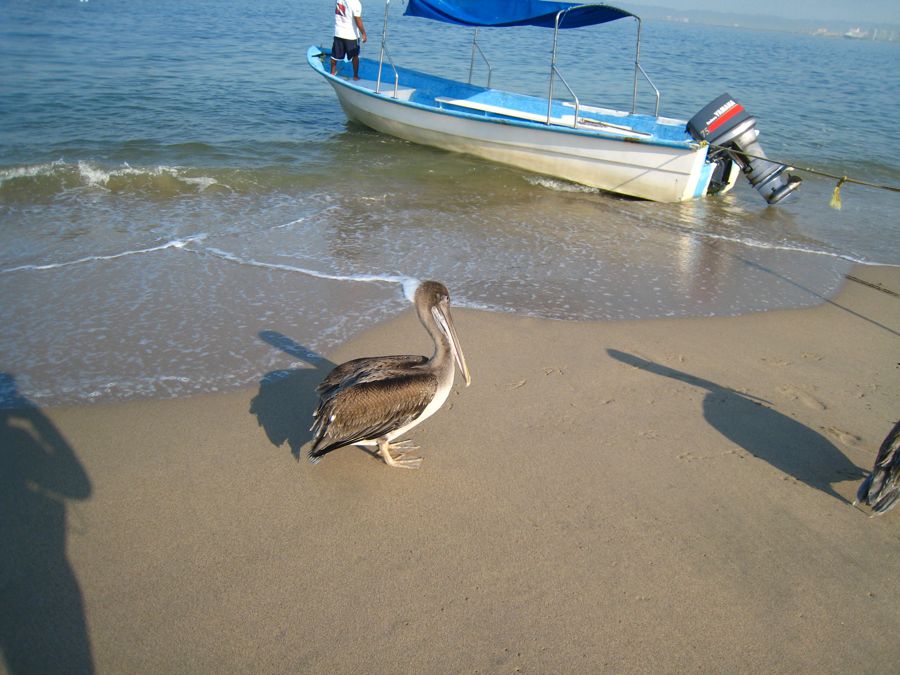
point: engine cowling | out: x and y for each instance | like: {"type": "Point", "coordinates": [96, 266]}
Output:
{"type": "Point", "coordinates": [725, 123]}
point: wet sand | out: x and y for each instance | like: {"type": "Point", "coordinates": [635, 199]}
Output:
{"type": "Point", "coordinates": [638, 496]}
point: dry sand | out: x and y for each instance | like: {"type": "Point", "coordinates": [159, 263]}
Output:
{"type": "Point", "coordinates": [640, 496]}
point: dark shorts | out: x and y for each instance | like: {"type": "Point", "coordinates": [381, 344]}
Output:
{"type": "Point", "coordinates": [342, 47]}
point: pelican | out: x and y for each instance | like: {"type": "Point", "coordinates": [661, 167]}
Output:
{"type": "Point", "coordinates": [881, 488]}
{"type": "Point", "coordinates": [373, 400]}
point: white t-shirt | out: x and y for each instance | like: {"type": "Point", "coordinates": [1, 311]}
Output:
{"type": "Point", "coordinates": [344, 25]}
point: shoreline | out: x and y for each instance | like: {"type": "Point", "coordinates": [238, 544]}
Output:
{"type": "Point", "coordinates": [294, 353]}
{"type": "Point", "coordinates": [664, 494]}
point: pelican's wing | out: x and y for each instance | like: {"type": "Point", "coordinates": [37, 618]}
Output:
{"type": "Point", "coordinates": [370, 409]}
{"type": "Point", "coordinates": [363, 370]}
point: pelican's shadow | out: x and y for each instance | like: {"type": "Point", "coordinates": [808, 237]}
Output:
{"type": "Point", "coordinates": [287, 398]}
{"type": "Point", "coordinates": [789, 446]}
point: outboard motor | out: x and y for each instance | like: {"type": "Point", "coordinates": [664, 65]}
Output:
{"type": "Point", "coordinates": [725, 123]}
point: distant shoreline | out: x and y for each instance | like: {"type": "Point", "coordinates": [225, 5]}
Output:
{"type": "Point", "coordinates": [863, 30]}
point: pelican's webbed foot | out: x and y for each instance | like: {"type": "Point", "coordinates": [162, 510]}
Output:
{"type": "Point", "coordinates": [400, 460]}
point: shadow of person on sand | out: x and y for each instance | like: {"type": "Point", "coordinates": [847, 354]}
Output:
{"type": "Point", "coordinates": [789, 446]}
{"type": "Point", "coordinates": [42, 622]}
{"type": "Point", "coordinates": [287, 398]}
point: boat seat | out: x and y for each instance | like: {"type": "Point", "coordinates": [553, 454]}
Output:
{"type": "Point", "coordinates": [387, 88]}
{"type": "Point", "coordinates": [564, 120]}
{"type": "Point", "coordinates": [608, 112]}
{"type": "Point", "coordinates": [499, 110]}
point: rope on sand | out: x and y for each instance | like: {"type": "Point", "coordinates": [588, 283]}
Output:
{"type": "Point", "coordinates": [877, 287]}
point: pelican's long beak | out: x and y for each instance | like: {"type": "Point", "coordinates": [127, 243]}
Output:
{"type": "Point", "coordinates": [441, 314]}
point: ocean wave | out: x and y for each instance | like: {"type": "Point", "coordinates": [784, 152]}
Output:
{"type": "Point", "coordinates": [39, 182]}
{"type": "Point", "coordinates": [29, 171]}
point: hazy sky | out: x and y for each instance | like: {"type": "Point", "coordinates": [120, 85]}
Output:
{"type": "Point", "coordinates": [882, 11]}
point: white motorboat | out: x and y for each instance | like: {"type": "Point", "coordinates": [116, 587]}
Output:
{"type": "Point", "coordinates": [625, 152]}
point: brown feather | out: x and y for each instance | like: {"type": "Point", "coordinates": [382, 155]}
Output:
{"type": "Point", "coordinates": [370, 409]}
{"type": "Point", "coordinates": [365, 369]}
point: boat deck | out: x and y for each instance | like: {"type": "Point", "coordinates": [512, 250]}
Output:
{"type": "Point", "coordinates": [563, 120]}
{"type": "Point", "coordinates": [461, 98]}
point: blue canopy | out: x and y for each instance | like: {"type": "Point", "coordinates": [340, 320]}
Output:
{"type": "Point", "coordinates": [513, 12]}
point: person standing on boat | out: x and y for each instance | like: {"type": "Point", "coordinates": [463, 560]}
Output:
{"type": "Point", "coordinates": [348, 29]}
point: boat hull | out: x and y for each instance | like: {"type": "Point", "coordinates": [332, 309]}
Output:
{"type": "Point", "coordinates": [633, 166]}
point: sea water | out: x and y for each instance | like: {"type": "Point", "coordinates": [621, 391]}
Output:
{"type": "Point", "coordinates": [185, 208]}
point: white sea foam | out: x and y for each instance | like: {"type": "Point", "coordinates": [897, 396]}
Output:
{"type": "Point", "coordinates": [405, 282]}
{"type": "Point", "coordinates": [560, 185]}
{"type": "Point", "coordinates": [99, 177]}
{"type": "Point", "coordinates": [30, 171]}
{"type": "Point", "coordinates": [175, 243]}
{"type": "Point", "coordinates": [284, 226]}
{"type": "Point", "coordinates": [750, 242]}
{"type": "Point", "coordinates": [306, 220]}
{"type": "Point", "coordinates": [93, 176]}
{"type": "Point", "coordinates": [409, 288]}
{"type": "Point", "coordinates": [202, 182]}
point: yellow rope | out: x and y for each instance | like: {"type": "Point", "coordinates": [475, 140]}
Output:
{"type": "Point", "coordinates": [835, 202]}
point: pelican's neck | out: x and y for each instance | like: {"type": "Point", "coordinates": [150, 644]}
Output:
{"type": "Point", "coordinates": [442, 358]}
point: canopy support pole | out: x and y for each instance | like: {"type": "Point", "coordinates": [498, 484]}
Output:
{"type": "Point", "coordinates": [387, 4]}
{"type": "Point", "coordinates": [384, 50]}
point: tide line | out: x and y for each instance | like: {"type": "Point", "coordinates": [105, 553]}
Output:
{"type": "Point", "coordinates": [408, 284]}
{"type": "Point", "coordinates": [749, 242]}
{"type": "Point", "coordinates": [773, 246]}
{"type": "Point", "coordinates": [175, 243]}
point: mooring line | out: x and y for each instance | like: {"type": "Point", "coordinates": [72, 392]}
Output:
{"type": "Point", "coordinates": [877, 287]}
{"type": "Point", "coordinates": [836, 195]}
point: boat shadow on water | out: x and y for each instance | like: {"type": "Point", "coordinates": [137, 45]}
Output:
{"type": "Point", "coordinates": [287, 398]}
{"type": "Point", "coordinates": [767, 434]}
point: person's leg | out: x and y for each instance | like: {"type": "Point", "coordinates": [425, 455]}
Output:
{"type": "Point", "coordinates": [337, 53]}
{"type": "Point", "coordinates": [353, 55]}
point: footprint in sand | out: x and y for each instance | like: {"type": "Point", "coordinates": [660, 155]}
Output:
{"type": "Point", "coordinates": [777, 362]}
{"type": "Point", "coordinates": [691, 457]}
{"type": "Point", "coordinates": [805, 398]}
{"type": "Point", "coordinates": [842, 436]}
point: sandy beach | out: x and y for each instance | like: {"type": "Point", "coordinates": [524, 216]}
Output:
{"type": "Point", "coordinates": [663, 495]}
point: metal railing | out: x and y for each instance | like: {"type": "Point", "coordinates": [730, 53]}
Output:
{"type": "Point", "coordinates": [386, 52]}
{"type": "Point", "coordinates": [476, 46]}
{"type": "Point", "coordinates": [638, 68]}
{"type": "Point", "coordinates": [555, 71]}
{"type": "Point", "coordinates": [655, 90]}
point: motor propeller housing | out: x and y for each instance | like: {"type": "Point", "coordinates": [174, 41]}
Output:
{"type": "Point", "coordinates": [725, 123]}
